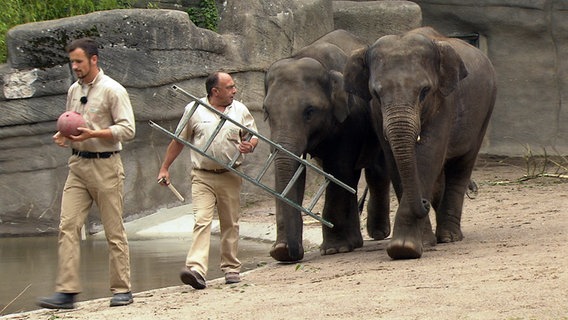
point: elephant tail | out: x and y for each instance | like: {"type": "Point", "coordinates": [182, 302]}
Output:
{"type": "Point", "coordinates": [361, 202]}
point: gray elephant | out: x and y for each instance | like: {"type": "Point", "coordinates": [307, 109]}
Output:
{"type": "Point", "coordinates": [307, 110]}
{"type": "Point", "coordinates": [431, 100]}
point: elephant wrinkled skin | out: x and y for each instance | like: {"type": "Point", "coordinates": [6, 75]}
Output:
{"type": "Point", "coordinates": [307, 110]}
{"type": "Point", "coordinates": [431, 100]}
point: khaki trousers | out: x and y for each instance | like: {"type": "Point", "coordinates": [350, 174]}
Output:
{"type": "Point", "coordinates": [100, 181]}
{"type": "Point", "coordinates": [210, 190]}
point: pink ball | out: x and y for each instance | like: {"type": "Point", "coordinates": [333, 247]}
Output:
{"type": "Point", "coordinates": [69, 121]}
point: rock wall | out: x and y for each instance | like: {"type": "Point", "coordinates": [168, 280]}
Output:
{"type": "Point", "coordinates": [148, 51]}
{"type": "Point", "coordinates": [527, 41]}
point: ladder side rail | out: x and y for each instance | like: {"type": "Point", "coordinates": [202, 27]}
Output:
{"type": "Point", "coordinates": [300, 208]}
{"type": "Point", "coordinates": [246, 177]}
{"type": "Point", "coordinates": [270, 142]}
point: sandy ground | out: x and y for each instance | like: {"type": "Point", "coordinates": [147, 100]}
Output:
{"type": "Point", "coordinates": [511, 265]}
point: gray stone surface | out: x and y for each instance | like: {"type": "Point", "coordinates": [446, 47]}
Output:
{"type": "Point", "coordinates": [165, 42]}
{"type": "Point", "coordinates": [147, 51]}
{"type": "Point", "coordinates": [527, 41]}
{"type": "Point", "coordinates": [374, 19]}
{"type": "Point", "coordinates": [267, 30]}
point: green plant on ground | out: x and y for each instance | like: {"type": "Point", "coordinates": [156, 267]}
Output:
{"type": "Point", "coordinates": [206, 15]}
{"type": "Point", "coordinates": [16, 12]}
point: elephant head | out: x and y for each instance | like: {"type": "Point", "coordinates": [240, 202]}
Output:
{"type": "Point", "coordinates": [304, 102]}
{"type": "Point", "coordinates": [406, 78]}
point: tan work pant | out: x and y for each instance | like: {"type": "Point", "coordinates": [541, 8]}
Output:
{"type": "Point", "coordinates": [210, 190]}
{"type": "Point", "coordinates": [101, 181]}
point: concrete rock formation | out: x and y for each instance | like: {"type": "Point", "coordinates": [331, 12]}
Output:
{"type": "Point", "coordinates": [527, 41]}
{"type": "Point", "coordinates": [147, 50]}
{"type": "Point", "coordinates": [374, 19]}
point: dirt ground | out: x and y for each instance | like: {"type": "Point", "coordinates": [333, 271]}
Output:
{"type": "Point", "coordinates": [511, 265]}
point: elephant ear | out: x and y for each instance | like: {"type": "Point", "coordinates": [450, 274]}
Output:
{"type": "Point", "coordinates": [338, 96]}
{"type": "Point", "coordinates": [356, 75]}
{"type": "Point", "coordinates": [452, 68]}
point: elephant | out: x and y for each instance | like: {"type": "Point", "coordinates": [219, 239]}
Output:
{"type": "Point", "coordinates": [431, 99]}
{"type": "Point", "coordinates": [308, 113]}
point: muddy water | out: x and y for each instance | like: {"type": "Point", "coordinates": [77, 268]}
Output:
{"type": "Point", "coordinates": [28, 266]}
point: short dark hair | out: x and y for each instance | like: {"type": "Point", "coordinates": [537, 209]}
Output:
{"type": "Point", "coordinates": [211, 82]}
{"type": "Point", "coordinates": [88, 45]}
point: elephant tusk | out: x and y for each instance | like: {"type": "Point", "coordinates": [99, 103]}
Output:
{"type": "Point", "coordinates": [418, 139]}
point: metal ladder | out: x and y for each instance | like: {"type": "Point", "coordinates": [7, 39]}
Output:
{"type": "Point", "coordinates": [255, 180]}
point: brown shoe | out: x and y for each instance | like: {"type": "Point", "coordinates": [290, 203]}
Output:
{"type": "Point", "coordinates": [232, 277]}
{"type": "Point", "coordinates": [193, 278]}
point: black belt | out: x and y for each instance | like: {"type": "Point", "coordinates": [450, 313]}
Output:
{"type": "Point", "coordinates": [93, 155]}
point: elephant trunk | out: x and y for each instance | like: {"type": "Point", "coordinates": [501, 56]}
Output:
{"type": "Point", "coordinates": [402, 129]}
{"type": "Point", "coordinates": [287, 216]}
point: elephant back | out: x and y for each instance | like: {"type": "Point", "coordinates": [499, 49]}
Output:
{"type": "Point", "coordinates": [332, 50]}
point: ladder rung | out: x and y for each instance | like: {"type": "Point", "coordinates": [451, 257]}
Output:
{"type": "Point", "coordinates": [231, 164]}
{"type": "Point", "coordinates": [318, 195]}
{"type": "Point", "coordinates": [214, 134]}
{"type": "Point", "coordinates": [293, 180]}
{"type": "Point", "coordinates": [185, 119]}
{"type": "Point", "coordinates": [267, 165]}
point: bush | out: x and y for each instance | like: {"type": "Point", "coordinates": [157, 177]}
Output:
{"type": "Point", "coordinates": [206, 15]}
{"type": "Point", "coordinates": [15, 12]}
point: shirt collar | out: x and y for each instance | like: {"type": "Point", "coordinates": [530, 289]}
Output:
{"type": "Point", "coordinates": [95, 80]}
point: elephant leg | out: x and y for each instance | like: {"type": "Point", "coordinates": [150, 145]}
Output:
{"type": "Point", "coordinates": [411, 232]}
{"type": "Point", "coordinates": [280, 251]}
{"type": "Point", "coordinates": [340, 209]}
{"type": "Point", "coordinates": [448, 217]}
{"type": "Point", "coordinates": [378, 205]}
{"type": "Point", "coordinates": [406, 242]}
{"type": "Point", "coordinates": [428, 237]}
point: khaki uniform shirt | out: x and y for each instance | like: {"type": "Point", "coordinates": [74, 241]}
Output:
{"type": "Point", "coordinates": [201, 127]}
{"type": "Point", "coordinates": [108, 106]}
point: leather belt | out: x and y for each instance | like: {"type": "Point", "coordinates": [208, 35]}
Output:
{"type": "Point", "coordinates": [93, 155]}
{"type": "Point", "coordinates": [217, 171]}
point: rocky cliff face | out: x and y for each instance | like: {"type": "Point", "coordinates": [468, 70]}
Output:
{"type": "Point", "coordinates": [148, 51]}
{"type": "Point", "coordinates": [527, 43]}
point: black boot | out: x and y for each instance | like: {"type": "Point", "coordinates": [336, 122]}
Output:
{"type": "Point", "coordinates": [58, 300]}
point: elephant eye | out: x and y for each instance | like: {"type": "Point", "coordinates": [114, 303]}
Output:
{"type": "Point", "coordinates": [424, 93]}
{"type": "Point", "coordinates": [266, 115]}
{"type": "Point", "coordinates": [309, 112]}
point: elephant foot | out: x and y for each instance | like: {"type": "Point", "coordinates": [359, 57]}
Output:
{"type": "Point", "coordinates": [447, 236]}
{"type": "Point", "coordinates": [378, 228]}
{"type": "Point", "coordinates": [329, 248]}
{"type": "Point", "coordinates": [429, 238]}
{"type": "Point", "coordinates": [330, 251]}
{"type": "Point", "coordinates": [279, 252]}
{"type": "Point", "coordinates": [404, 249]}
{"type": "Point", "coordinates": [379, 234]}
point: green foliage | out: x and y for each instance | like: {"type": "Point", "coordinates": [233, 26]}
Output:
{"type": "Point", "coordinates": [15, 12]}
{"type": "Point", "coordinates": [206, 15]}
{"type": "Point", "coordinates": [152, 5]}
